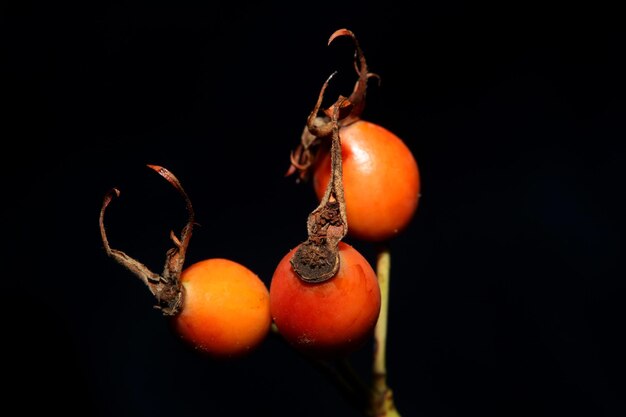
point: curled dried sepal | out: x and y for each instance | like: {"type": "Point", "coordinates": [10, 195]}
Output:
{"type": "Point", "coordinates": [165, 287]}
{"type": "Point", "coordinates": [319, 126]}
{"type": "Point", "coordinates": [317, 259]}
{"type": "Point", "coordinates": [316, 128]}
{"type": "Point", "coordinates": [357, 98]}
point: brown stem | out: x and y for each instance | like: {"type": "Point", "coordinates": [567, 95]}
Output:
{"type": "Point", "coordinates": [317, 259]}
{"type": "Point", "coordinates": [166, 287]}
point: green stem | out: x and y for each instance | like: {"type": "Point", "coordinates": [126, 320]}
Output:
{"type": "Point", "coordinates": [382, 404]}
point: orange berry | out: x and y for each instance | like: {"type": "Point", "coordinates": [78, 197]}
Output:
{"type": "Point", "coordinates": [380, 177]}
{"type": "Point", "coordinates": [226, 308]}
{"type": "Point", "coordinates": [329, 318]}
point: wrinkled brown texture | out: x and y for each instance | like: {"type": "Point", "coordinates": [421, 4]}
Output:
{"type": "Point", "coordinates": [166, 287]}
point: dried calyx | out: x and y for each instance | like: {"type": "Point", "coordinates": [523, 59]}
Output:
{"type": "Point", "coordinates": [165, 287]}
{"type": "Point", "coordinates": [319, 128]}
{"type": "Point", "coordinates": [317, 259]}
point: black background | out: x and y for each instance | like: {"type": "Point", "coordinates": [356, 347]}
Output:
{"type": "Point", "coordinates": [507, 290]}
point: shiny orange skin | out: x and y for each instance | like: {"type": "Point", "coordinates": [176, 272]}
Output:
{"type": "Point", "coordinates": [331, 318]}
{"type": "Point", "coordinates": [381, 181]}
{"type": "Point", "coordinates": [226, 308]}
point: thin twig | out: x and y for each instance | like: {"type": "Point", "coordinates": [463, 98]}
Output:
{"type": "Point", "coordinates": [382, 404]}
{"type": "Point", "coordinates": [355, 394]}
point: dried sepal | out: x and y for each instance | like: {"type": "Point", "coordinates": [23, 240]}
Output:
{"type": "Point", "coordinates": [319, 125]}
{"type": "Point", "coordinates": [165, 287]}
{"type": "Point", "coordinates": [317, 259]}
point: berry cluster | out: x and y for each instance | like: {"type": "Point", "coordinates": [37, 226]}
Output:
{"type": "Point", "coordinates": [324, 298]}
